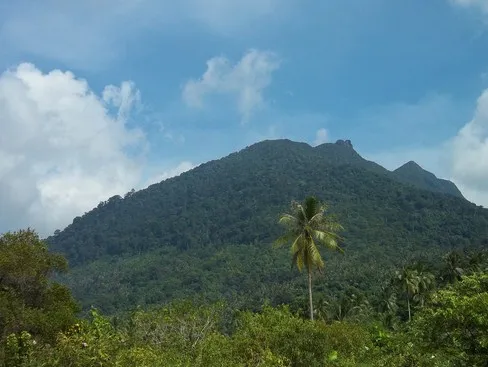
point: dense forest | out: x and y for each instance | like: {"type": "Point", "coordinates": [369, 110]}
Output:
{"type": "Point", "coordinates": [426, 315]}
{"type": "Point", "coordinates": [209, 231]}
{"type": "Point", "coordinates": [239, 263]}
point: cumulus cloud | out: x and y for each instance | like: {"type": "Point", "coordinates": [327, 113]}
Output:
{"type": "Point", "coordinates": [461, 156]}
{"type": "Point", "coordinates": [321, 136]}
{"type": "Point", "coordinates": [470, 153]}
{"type": "Point", "coordinates": [63, 149]}
{"type": "Point", "coordinates": [246, 80]}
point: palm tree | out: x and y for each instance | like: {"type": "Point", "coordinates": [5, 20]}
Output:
{"type": "Point", "coordinates": [453, 267]}
{"type": "Point", "coordinates": [425, 283]}
{"type": "Point", "coordinates": [387, 299]}
{"type": "Point", "coordinates": [408, 281]}
{"type": "Point", "coordinates": [307, 228]}
{"type": "Point", "coordinates": [476, 261]}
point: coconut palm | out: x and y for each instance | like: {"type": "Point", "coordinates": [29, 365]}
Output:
{"type": "Point", "coordinates": [425, 284]}
{"type": "Point", "coordinates": [476, 261]}
{"type": "Point", "coordinates": [425, 281]}
{"type": "Point", "coordinates": [453, 267]}
{"type": "Point", "coordinates": [387, 299]}
{"type": "Point", "coordinates": [307, 228]}
{"type": "Point", "coordinates": [408, 281]}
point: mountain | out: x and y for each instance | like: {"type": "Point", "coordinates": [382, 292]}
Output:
{"type": "Point", "coordinates": [413, 174]}
{"type": "Point", "coordinates": [342, 153]}
{"type": "Point", "coordinates": [208, 231]}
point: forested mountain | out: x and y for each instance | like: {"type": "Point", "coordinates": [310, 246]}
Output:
{"type": "Point", "coordinates": [208, 231]}
{"type": "Point", "coordinates": [415, 175]}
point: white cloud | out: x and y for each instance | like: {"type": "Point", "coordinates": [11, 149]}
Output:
{"type": "Point", "coordinates": [172, 172]}
{"type": "Point", "coordinates": [477, 4]}
{"type": "Point", "coordinates": [246, 80]}
{"type": "Point", "coordinates": [470, 152]}
{"type": "Point", "coordinates": [62, 149]}
{"type": "Point", "coordinates": [321, 136]}
{"type": "Point", "coordinates": [90, 34]}
{"type": "Point", "coordinates": [461, 157]}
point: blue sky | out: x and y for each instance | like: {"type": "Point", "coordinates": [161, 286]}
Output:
{"type": "Point", "coordinates": [195, 81]}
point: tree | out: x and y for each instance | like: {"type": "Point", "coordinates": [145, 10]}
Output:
{"type": "Point", "coordinates": [453, 267]}
{"type": "Point", "coordinates": [476, 261]}
{"type": "Point", "coordinates": [307, 228]}
{"type": "Point", "coordinates": [29, 300]}
{"type": "Point", "coordinates": [455, 323]}
{"type": "Point", "coordinates": [425, 284]}
{"type": "Point", "coordinates": [408, 281]}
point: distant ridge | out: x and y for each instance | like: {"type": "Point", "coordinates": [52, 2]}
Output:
{"type": "Point", "coordinates": [412, 173]}
{"type": "Point", "coordinates": [342, 152]}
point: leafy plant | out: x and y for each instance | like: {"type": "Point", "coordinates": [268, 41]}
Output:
{"type": "Point", "coordinates": [306, 229]}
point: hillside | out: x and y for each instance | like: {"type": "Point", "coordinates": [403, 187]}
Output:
{"type": "Point", "coordinates": [208, 231]}
{"type": "Point", "coordinates": [415, 175]}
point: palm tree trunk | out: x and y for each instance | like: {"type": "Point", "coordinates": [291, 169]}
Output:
{"type": "Point", "coordinates": [408, 304]}
{"type": "Point", "coordinates": [310, 293]}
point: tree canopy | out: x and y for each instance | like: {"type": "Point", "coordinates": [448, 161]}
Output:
{"type": "Point", "coordinates": [306, 229]}
{"type": "Point", "coordinates": [29, 300]}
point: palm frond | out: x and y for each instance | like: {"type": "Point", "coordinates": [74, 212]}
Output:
{"type": "Point", "coordinates": [302, 214]}
{"type": "Point", "coordinates": [294, 259]}
{"type": "Point", "coordinates": [314, 254]}
{"type": "Point", "coordinates": [295, 247]}
{"type": "Point", "coordinates": [328, 239]}
{"type": "Point", "coordinates": [299, 260]}
{"type": "Point", "coordinates": [307, 227]}
{"type": "Point", "coordinates": [317, 219]}
{"type": "Point", "coordinates": [288, 220]}
{"type": "Point", "coordinates": [332, 226]}
{"type": "Point", "coordinates": [283, 240]}
{"type": "Point", "coordinates": [311, 207]}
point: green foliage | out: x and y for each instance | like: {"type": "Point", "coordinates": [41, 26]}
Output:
{"type": "Point", "coordinates": [402, 350]}
{"type": "Point", "coordinates": [170, 240]}
{"type": "Point", "coordinates": [455, 322]}
{"type": "Point", "coordinates": [413, 174]}
{"type": "Point", "coordinates": [414, 284]}
{"type": "Point", "coordinates": [183, 334]}
{"type": "Point", "coordinates": [87, 343]}
{"type": "Point", "coordinates": [306, 229]}
{"type": "Point", "coordinates": [29, 300]}
{"type": "Point", "coordinates": [235, 200]}
{"type": "Point", "coordinates": [300, 342]}
{"type": "Point", "coordinates": [18, 350]}
{"type": "Point", "coordinates": [449, 329]}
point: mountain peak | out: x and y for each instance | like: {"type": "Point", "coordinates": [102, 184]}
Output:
{"type": "Point", "coordinates": [410, 165]}
{"type": "Point", "coordinates": [346, 143]}
{"type": "Point", "coordinates": [412, 173]}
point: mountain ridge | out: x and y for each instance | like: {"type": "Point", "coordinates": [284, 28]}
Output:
{"type": "Point", "coordinates": [266, 155]}
{"type": "Point", "coordinates": [209, 230]}
{"type": "Point", "coordinates": [412, 173]}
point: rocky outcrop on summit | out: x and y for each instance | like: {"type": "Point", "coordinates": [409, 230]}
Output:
{"type": "Point", "coordinates": [346, 143]}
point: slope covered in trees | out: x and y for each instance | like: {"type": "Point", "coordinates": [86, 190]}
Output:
{"type": "Point", "coordinates": [209, 230]}
{"type": "Point", "coordinates": [415, 175]}
{"type": "Point", "coordinates": [447, 323]}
